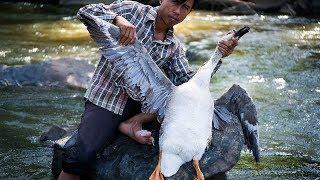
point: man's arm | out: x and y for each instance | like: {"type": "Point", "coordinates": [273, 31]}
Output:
{"type": "Point", "coordinates": [118, 13]}
{"type": "Point", "coordinates": [179, 70]}
{"type": "Point", "coordinates": [108, 12]}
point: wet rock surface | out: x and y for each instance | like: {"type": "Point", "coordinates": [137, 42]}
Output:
{"type": "Point", "coordinates": [241, 9]}
{"type": "Point", "coordinates": [52, 72]}
{"type": "Point", "coordinates": [126, 159]}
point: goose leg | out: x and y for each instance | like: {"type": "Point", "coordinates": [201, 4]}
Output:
{"type": "Point", "coordinates": [198, 170]}
{"type": "Point", "coordinates": [156, 175]}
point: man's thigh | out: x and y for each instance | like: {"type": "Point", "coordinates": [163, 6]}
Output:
{"type": "Point", "coordinates": [97, 129]}
{"type": "Point", "coordinates": [99, 126]}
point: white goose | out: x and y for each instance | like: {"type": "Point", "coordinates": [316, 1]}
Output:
{"type": "Point", "coordinates": [186, 110]}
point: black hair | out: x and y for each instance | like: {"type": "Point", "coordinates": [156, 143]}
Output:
{"type": "Point", "coordinates": [195, 3]}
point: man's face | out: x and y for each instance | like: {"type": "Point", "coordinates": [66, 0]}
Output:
{"type": "Point", "coordinates": [172, 12]}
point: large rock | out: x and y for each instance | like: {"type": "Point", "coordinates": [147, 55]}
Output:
{"type": "Point", "coordinates": [248, 7]}
{"type": "Point", "coordinates": [240, 9]}
{"type": "Point", "coordinates": [316, 7]}
{"type": "Point", "coordinates": [53, 72]}
{"type": "Point", "coordinates": [54, 133]}
{"type": "Point", "coordinates": [126, 159]}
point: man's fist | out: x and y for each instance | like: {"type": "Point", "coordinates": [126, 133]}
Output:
{"type": "Point", "coordinates": [128, 33]}
{"type": "Point", "coordinates": [226, 47]}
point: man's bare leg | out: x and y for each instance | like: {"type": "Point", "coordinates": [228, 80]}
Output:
{"type": "Point", "coordinates": [133, 128]}
{"type": "Point", "coordinates": [66, 176]}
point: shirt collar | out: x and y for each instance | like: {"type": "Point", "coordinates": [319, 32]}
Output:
{"type": "Point", "coordinates": [151, 16]}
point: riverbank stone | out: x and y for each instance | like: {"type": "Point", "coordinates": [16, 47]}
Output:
{"type": "Point", "coordinates": [53, 134]}
{"type": "Point", "coordinates": [127, 159]}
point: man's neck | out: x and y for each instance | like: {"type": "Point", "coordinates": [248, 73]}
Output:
{"type": "Point", "coordinates": [160, 29]}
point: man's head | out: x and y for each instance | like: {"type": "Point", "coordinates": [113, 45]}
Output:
{"type": "Point", "coordinates": [173, 12]}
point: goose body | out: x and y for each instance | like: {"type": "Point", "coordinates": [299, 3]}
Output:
{"type": "Point", "coordinates": [185, 136]}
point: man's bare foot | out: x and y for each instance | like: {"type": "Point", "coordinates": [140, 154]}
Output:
{"type": "Point", "coordinates": [133, 128]}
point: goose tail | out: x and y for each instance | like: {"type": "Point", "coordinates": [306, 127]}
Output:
{"type": "Point", "coordinates": [170, 164]}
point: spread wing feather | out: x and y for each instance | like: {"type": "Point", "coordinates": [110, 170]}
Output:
{"type": "Point", "coordinates": [137, 73]}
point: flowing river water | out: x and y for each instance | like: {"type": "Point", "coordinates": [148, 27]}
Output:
{"type": "Point", "coordinates": [278, 63]}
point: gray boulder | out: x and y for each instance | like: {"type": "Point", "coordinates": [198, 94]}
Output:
{"type": "Point", "coordinates": [249, 7]}
{"type": "Point", "coordinates": [54, 133]}
{"type": "Point", "coordinates": [52, 72]}
{"type": "Point", "coordinates": [288, 9]}
{"type": "Point", "coordinates": [240, 9]}
{"type": "Point", "coordinates": [126, 159]}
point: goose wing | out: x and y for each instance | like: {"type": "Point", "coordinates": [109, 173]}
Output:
{"type": "Point", "coordinates": [135, 70]}
{"type": "Point", "coordinates": [250, 128]}
{"type": "Point", "coordinates": [237, 102]}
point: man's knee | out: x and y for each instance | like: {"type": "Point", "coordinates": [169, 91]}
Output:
{"type": "Point", "coordinates": [84, 154]}
{"type": "Point", "coordinates": [76, 156]}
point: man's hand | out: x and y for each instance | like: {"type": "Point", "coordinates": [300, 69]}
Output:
{"type": "Point", "coordinates": [128, 33]}
{"type": "Point", "coordinates": [226, 47]}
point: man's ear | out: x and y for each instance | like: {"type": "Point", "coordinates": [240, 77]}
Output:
{"type": "Point", "coordinates": [160, 1]}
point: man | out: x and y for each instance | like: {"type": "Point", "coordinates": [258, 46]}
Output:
{"type": "Point", "coordinates": [108, 108]}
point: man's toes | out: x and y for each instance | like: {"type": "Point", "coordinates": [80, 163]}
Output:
{"type": "Point", "coordinates": [148, 141]}
{"type": "Point", "coordinates": [144, 137]}
{"type": "Point", "coordinates": [151, 141]}
{"type": "Point", "coordinates": [144, 133]}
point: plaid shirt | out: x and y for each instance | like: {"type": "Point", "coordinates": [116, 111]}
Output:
{"type": "Point", "coordinates": [169, 54]}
